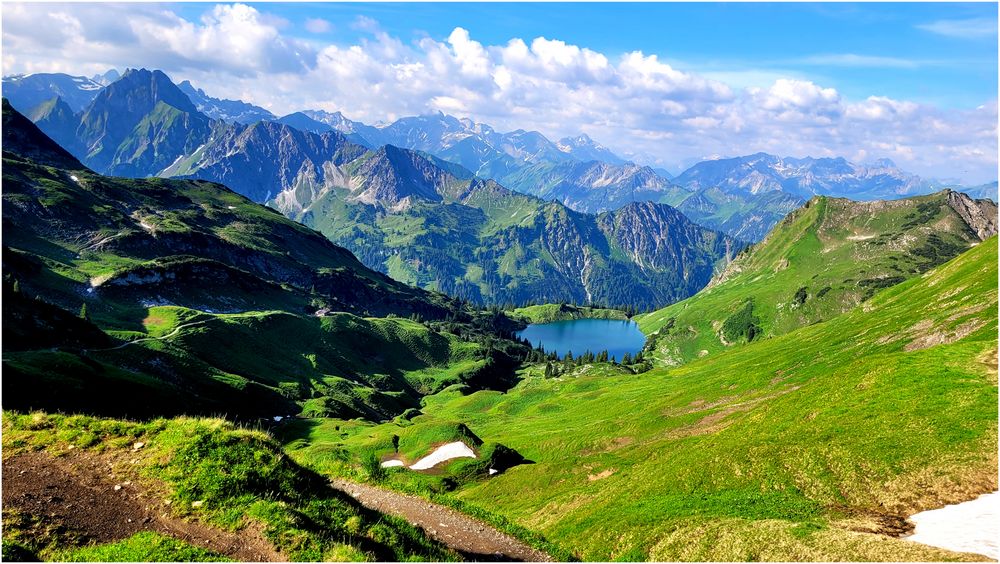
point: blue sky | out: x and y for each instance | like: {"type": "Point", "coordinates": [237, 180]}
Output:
{"type": "Point", "coordinates": [662, 84]}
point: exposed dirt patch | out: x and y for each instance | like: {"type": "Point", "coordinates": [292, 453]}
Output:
{"type": "Point", "coordinates": [474, 539]}
{"type": "Point", "coordinates": [944, 337]}
{"type": "Point", "coordinates": [876, 523]}
{"type": "Point", "coordinates": [89, 496]}
{"type": "Point", "coordinates": [600, 475]}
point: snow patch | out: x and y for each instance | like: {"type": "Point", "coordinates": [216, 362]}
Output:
{"type": "Point", "coordinates": [457, 449]}
{"type": "Point", "coordinates": [973, 526]}
{"type": "Point", "coordinates": [392, 463]}
{"type": "Point", "coordinates": [177, 160]}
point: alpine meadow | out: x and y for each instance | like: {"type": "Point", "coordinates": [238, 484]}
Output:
{"type": "Point", "coordinates": [600, 282]}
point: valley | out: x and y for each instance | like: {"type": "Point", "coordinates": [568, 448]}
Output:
{"type": "Point", "coordinates": [232, 334]}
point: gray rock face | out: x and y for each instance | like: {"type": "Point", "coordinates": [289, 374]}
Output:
{"type": "Point", "coordinates": [264, 159]}
{"type": "Point", "coordinates": [659, 237]}
{"type": "Point", "coordinates": [980, 215]}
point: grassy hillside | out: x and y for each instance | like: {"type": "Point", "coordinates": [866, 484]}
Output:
{"type": "Point", "coordinates": [546, 313]}
{"type": "Point", "coordinates": [822, 260]}
{"type": "Point", "coordinates": [162, 297]}
{"type": "Point", "coordinates": [206, 471]}
{"type": "Point", "coordinates": [810, 445]}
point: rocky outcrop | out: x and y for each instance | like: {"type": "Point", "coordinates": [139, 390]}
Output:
{"type": "Point", "coordinates": [979, 215]}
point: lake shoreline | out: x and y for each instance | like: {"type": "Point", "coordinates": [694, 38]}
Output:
{"type": "Point", "coordinates": [619, 337]}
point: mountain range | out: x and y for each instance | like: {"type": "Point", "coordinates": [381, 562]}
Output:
{"type": "Point", "coordinates": [144, 125]}
{"type": "Point", "coordinates": [514, 249]}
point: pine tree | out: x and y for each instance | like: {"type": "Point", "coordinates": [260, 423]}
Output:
{"type": "Point", "coordinates": [627, 358]}
{"type": "Point", "coordinates": [83, 312]}
{"type": "Point", "coordinates": [17, 287]}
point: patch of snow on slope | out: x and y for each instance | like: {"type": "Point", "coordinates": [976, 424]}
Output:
{"type": "Point", "coordinates": [457, 449]}
{"type": "Point", "coordinates": [973, 526]}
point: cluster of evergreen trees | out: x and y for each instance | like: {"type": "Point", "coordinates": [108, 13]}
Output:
{"type": "Point", "coordinates": [555, 367]}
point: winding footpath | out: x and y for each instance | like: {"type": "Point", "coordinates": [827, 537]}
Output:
{"type": "Point", "coordinates": [472, 538]}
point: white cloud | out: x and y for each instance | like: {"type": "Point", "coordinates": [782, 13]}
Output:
{"type": "Point", "coordinates": [635, 103]}
{"type": "Point", "coordinates": [862, 61]}
{"type": "Point", "coordinates": [973, 28]}
{"type": "Point", "coordinates": [317, 25]}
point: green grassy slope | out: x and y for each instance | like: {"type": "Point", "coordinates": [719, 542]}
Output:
{"type": "Point", "coordinates": [546, 313]}
{"type": "Point", "coordinates": [822, 260]}
{"type": "Point", "coordinates": [228, 477]}
{"type": "Point", "coordinates": [213, 304]}
{"type": "Point", "coordinates": [798, 447]}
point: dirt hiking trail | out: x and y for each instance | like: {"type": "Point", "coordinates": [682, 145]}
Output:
{"type": "Point", "coordinates": [473, 539]}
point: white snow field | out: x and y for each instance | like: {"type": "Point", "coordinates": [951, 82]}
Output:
{"type": "Point", "coordinates": [457, 449]}
{"type": "Point", "coordinates": [973, 526]}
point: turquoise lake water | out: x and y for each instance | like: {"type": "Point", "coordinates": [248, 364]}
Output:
{"type": "Point", "coordinates": [580, 335]}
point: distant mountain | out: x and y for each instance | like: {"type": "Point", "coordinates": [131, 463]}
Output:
{"type": "Point", "coordinates": [28, 91]}
{"type": "Point", "coordinates": [578, 172]}
{"type": "Point", "coordinates": [746, 216]}
{"type": "Point", "coordinates": [988, 190]}
{"type": "Point", "coordinates": [583, 148]}
{"type": "Point", "coordinates": [430, 223]}
{"type": "Point", "coordinates": [57, 120]}
{"type": "Point", "coordinates": [594, 186]}
{"type": "Point", "coordinates": [226, 110]}
{"type": "Point", "coordinates": [360, 133]}
{"type": "Point", "coordinates": [746, 196]}
{"type": "Point", "coordinates": [106, 78]}
{"type": "Point", "coordinates": [807, 177]}
{"type": "Point", "coordinates": [302, 122]}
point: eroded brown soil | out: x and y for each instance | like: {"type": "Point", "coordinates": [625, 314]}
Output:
{"type": "Point", "coordinates": [96, 501]}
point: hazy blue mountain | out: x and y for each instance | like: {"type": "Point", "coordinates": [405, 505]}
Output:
{"type": "Point", "coordinates": [226, 110]}
{"type": "Point", "coordinates": [594, 186]}
{"type": "Point", "coordinates": [26, 91]}
{"type": "Point", "coordinates": [302, 122]}
{"type": "Point", "coordinates": [988, 190]}
{"type": "Point", "coordinates": [583, 148]}
{"type": "Point", "coordinates": [804, 177]}
{"type": "Point", "coordinates": [57, 120]}
{"type": "Point", "coordinates": [742, 215]}
{"type": "Point", "coordinates": [106, 78]}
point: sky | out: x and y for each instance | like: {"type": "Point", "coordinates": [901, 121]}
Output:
{"type": "Point", "coordinates": [662, 84]}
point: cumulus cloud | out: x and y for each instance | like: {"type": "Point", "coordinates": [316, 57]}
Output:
{"type": "Point", "coordinates": [635, 103]}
